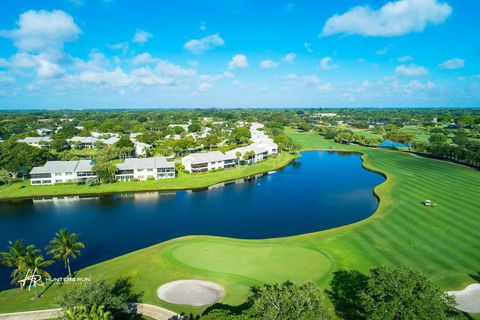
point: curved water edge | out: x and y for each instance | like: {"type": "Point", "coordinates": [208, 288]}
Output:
{"type": "Point", "coordinates": [337, 189]}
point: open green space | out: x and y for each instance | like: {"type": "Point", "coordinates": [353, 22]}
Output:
{"type": "Point", "coordinates": [442, 242]}
{"type": "Point", "coordinates": [182, 181]}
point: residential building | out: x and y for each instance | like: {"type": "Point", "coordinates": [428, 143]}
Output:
{"type": "Point", "coordinates": [259, 152]}
{"type": "Point", "coordinates": [141, 148]}
{"type": "Point", "coordinates": [205, 161]}
{"type": "Point", "coordinates": [44, 131]}
{"type": "Point", "coordinates": [38, 142]}
{"type": "Point", "coordinates": [145, 168]}
{"type": "Point", "coordinates": [83, 142]}
{"type": "Point", "coordinates": [54, 172]}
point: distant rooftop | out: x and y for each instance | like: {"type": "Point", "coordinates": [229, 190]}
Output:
{"type": "Point", "coordinates": [145, 163]}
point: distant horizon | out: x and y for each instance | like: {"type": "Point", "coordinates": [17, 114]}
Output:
{"type": "Point", "coordinates": [224, 108]}
{"type": "Point", "coordinates": [239, 53]}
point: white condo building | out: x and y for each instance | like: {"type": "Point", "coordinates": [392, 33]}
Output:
{"type": "Point", "coordinates": [145, 168]}
{"type": "Point", "coordinates": [38, 142]}
{"type": "Point", "coordinates": [61, 172]}
{"type": "Point", "coordinates": [205, 161]}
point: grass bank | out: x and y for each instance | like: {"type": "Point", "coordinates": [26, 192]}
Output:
{"type": "Point", "coordinates": [182, 181]}
{"type": "Point", "coordinates": [441, 242]}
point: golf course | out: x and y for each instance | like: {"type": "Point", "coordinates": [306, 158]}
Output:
{"type": "Point", "coordinates": [442, 242]}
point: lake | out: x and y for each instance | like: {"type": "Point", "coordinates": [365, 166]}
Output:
{"type": "Point", "coordinates": [320, 190]}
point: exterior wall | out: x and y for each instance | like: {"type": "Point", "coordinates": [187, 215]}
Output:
{"type": "Point", "coordinates": [145, 174]}
{"type": "Point", "coordinates": [60, 177]}
{"type": "Point", "coordinates": [207, 166]}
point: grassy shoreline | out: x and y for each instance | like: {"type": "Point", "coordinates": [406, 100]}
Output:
{"type": "Point", "coordinates": [441, 242]}
{"type": "Point", "coordinates": [182, 182]}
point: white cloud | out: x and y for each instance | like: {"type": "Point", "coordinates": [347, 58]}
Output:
{"type": "Point", "coordinates": [47, 69]}
{"type": "Point", "coordinates": [204, 86]}
{"type": "Point", "coordinates": [455, 63]}
{"type": "Point", "coordinates": [395, 18]}
{"type": "Point", "coordinates": [238, 61]}
{"type": "Point", "coordinates": [308, 80]}
{"type": "Point", "coordinates": [326, 64]}
{"type": "Point", "coordinates": [121, 46]}
{"type": "Point", "coordinates": [268, 64]}
{"type": "Point", "coordinates": [143, 58]}
{"type": "Point", "coordinates": [206, 43]}
{"type": "Point", "coordinates": [308, 46]}
{"type": "Point", "coordinates": [141, 36]}
{"type": "Point", "coordinates": [417, 85]}
{"type": "Point", "coordinates": [167, 68]}
{"type": "Point", "coordinates": [411, 70]}
{"type": "Point", "coordinates": [43, 31]}
{"type": "Point", "coordinates": [405, 58]}
{"type": "Point", "coordinates": [289, 57]}
{"type": "Point", "coordinates": [384, 50]}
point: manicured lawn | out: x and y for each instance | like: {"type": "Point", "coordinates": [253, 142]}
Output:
{"type": "Point", "coordinates": [442, 242]}
{"type": "Point", "coordinates": [183, 181]}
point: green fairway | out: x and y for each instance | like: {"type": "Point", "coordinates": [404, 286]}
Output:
{"type": "Point", "coordinates": [442, 242]}
{"type": "Point", "coordinates": [182, 181]}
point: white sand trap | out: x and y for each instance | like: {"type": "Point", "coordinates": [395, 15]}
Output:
{"type": "Point", "coordinates": [191, 292]}
{"type": "Point", "coordinates": [468, 299]}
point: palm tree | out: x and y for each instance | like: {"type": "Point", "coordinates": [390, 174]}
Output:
{"type": "Point", "coordinates": [25, 258]}
{"type": "Point", "coordinates": [36, 265]}
{"type": "Point", "coordinates": [63, 246]}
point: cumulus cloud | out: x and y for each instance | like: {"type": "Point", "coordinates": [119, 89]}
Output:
{"type": "Point", "coordinates": [405, 58]}
{"type": "Point", "coordinates": [411, 70]}
{"type": "Point", "coordinates": [168, 68]}
{"type": "Point", "coordinates": [204, 86]}
{"type": "Point", "coordinates": [121, 46]}
{"type": "Point", "coordinates": [326, 64]}
{"type": "Point", "coordinates": [143, 58]}
{"type": "Point", "coordinates": [395, 18]}
{"type": "Point", "coordinates": [308, 46]}
{"type": "Point", "coordinates": [206, 43]}
{"type": "Point", "coordinates": [238, 61]}
{"type": "Point", "coordinates": [308, 80]}
{"type": "Point", "coordinates": [141, 36]}
{"type": "Point", "coordinates": [289, 57]}
{"type": "Point", "coordinates": [455, 63]}
{"type": "Point", "coordinates": [268, 64]}
{"type": "Point", "coordinates": [43, 31]}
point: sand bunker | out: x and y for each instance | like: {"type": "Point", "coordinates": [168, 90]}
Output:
{"type": "Point", "coordinates": [468, 299]}
{"type": "Point", "coordinates": [191, 292]}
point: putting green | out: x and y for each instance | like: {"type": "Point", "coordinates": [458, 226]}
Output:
{"type": "Point", "coordinates": [257, 262]}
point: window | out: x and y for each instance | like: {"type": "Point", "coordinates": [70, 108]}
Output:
{"type": "Point", "coordinates": [68, 173]}
{"type": "Point", "coordinates": [58, 174]}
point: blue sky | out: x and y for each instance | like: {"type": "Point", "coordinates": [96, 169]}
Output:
{"type": "Point", "coordinates": [239, 53]}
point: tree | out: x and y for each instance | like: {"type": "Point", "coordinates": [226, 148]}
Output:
{"type": "Point", "coordinates": [288, 301]}
{"type": "Point", "coordinates": [194, 127]}
{"type": "Point", "coordinates": [113, 297]}
{"type": "Point", "coordinates": [248, 156]}
{"type": "Point", "coordinates": [65, 246]}
{"type": "Point", "coordinates": [25, 259]}
{"type": "Point", "coordinates": [16, 157]}
{"type": "Point", "coordinates": [211, 140]}
{"type": "Point", "coordinates": [105, 170]}
{"type": "Point", "coordinates": [437, 138]}
{"type": "Point", "coordinates": [4, 176]}
{"type": "Point", "coordinates": [402, 293]}
{"type": "Point", "coordinates": [241, 135]}
{"type": "Point", "coordinates": [406, 138]}
{"type": "Point", "coordinates": [392, 135]}
{"type": "Point", "coordinates": [87, 313]}
{"type": "Point", "coordinates": [59, 145]}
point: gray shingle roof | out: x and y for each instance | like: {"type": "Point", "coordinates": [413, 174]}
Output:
{"type": "Point", "coordinates": [63, 166]}
{"type": "Point", "coordinates": [145, 163]}
{"type": "Point", "coordinates": [204, 157]}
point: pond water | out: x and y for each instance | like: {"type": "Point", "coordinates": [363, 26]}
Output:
{"type": "Point", "coordinates": [391, 144]}
{"type": "Point", "coordinates": [318, 191]}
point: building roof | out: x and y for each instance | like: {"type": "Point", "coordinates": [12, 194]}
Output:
{"type": "Point", "coordinates": [145, 163]}
{"type": "Point", "coordinates": [35, 139]}
{"type": "Point", "coordinates": [83, 139]}
{"type": "Point", "coordinates": [256, 147]}
{"type": "Point", "coordinates": [63, 166]}
{"type": "Point", "coordinates": [203, 157]}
